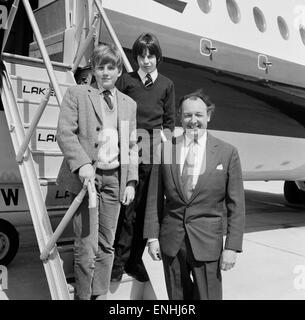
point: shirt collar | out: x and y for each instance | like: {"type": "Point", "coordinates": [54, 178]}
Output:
{"type": "Point", "coordinates": [101, 89]}
{"type": "Point", "coordinates": [201, 140]}
{"type": "Point", "coordinates": [143, 74]}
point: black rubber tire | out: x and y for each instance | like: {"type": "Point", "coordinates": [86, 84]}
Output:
{"type": "Point", "coordinates": [291, 192]}
{"type": "Point", "coordinates": [12, 237]}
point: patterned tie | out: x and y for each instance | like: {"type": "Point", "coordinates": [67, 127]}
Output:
{"type": "Point", "coordinates": [188, 170]}
{"type": "Point", "coordinates": [149, 81]}
{"type": "Point", "coordinates": [106, 94]}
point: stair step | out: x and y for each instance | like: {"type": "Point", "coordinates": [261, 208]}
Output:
{"type": "Point", "coordinates": [37, 81]}
{"type": "Point", "coordinates": [30, 80]}
{"type": "Point", "coordinates": [47, 163]}
{"type": "Point", "coordinates": [55, 196]}
{"type": "Point", "coordinates": [49, 117]}
{"type": "Point", "coordinates": [35, 90]}
{"type": "Point", "coordinates": [16, 59]}
{"type": "Point", "coordinates": [56, 199]}
{"type": "Point", "coordinates": [36, 102]}
{"type": "Point", "coordinates": [47, 153]}
{"type": "Point", "coordinates": [43, 139]}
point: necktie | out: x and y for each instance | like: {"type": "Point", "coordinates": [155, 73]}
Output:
{"type": "Point", "coordinates": [148, 81]}
{"type": "Point", "coordinates": [188, 170]}
{"type": "Point", "coordinates": [106, 94]}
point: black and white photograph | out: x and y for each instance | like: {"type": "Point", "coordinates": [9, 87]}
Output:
{"type": "Point", "coordinates": [152, 150]}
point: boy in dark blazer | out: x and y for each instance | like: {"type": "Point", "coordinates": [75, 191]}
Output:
{"type": "Point", "coordinates": [155, 97]}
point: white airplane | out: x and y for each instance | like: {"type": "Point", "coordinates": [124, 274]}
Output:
{"type": "Point", "coordinates": [247, 55]}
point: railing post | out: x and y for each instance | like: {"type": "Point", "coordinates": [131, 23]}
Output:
{"type": "Point", "coordinates": [10, 21]}
{"type": "Point", "coordinates": [33, 126]}
{"type": "Point", "coordinates": [43, 51]}
{"type": "Point", "coordinates": [86, 43]}
{"type": "Point", "coordinates": [113, 35]}
{"type": "Point", "coordinates": [68, 216]}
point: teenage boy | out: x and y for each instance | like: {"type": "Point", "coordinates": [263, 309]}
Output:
{"type": "Point", "coordinates": [155, 97]}
{"type": "Point", "coordinates": [97, 135]}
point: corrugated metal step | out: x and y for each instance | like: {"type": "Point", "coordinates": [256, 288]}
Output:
{"type": "Point", "coordinates": [55, 196]}
{"type": "Point", "coordinates": [28, 109]}
{"type": "Point", "coordinates": [47, 163]}
{"type": "Point", "coordinates": [43, 139]}
{"type": "Point", "coordinates": [14, 198]}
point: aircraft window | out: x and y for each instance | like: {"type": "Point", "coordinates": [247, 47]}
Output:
{"type": "Point", "coordinates": [302, 33]}
{"type": "Point", "coordinates": [205, 5]}
{"type": "Point", "coordinates": [260, 20]}
{"type": "Point", "coordinates": [233, 11]}
{"type": "Point", "coordinates": [283, 27]}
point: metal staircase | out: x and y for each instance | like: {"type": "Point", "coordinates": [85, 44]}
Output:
{"type": "Point", "coordinates": [31, 94]}
{"type": "Point", "coordinates": [37, 164]}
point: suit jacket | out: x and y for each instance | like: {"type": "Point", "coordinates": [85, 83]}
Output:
{"type": "Point", "coordinates": [80, 121]}
{"type": "Point", "coordinates": [202, 216]}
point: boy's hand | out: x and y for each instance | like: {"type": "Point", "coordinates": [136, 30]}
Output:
{"type": "Point", "coordinates": [129, 194]}
{"type": "Point", "coordinates": [86, 173]}
{"type": "Point", "coordinates": [154, 250]}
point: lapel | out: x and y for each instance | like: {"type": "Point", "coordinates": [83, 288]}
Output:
{"type": "Point", "coordinates": [122, 111]}
{"type": "Point", "coordinates": [211, 155]}
{"type": "Point", "coordinates": [175, 167]}
{"type": "Point", "coordinates": [95, 98]}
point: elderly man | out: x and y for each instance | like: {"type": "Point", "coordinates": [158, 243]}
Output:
{"type": "Point", "coordinates": [199, 176]}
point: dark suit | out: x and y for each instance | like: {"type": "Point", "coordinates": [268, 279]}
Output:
{"type": "Point", "coordinates": [191, 230]}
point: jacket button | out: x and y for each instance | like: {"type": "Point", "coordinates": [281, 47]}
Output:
{"type": "Point", "coordinates": [96, 145]}
{"type": "Point", "coordinates": [98, 128]}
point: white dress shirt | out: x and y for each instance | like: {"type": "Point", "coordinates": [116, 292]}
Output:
{"type": "Point", "coordinates": [143, 78]}
{"type": "Point", "coordinates": [199, 150]}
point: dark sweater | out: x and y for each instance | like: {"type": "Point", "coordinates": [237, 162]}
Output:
{"type": "Point", "coordinates": [155, 104]}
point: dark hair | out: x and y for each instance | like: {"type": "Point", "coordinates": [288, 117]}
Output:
{"type": "Point", "coordinates": [198, 94]}
{"type": "Point", "coordinates": [147, 41]}
{"type": "Point", "coordinates": [104, 54]}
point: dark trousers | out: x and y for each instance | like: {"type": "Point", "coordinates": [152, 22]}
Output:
{"type": "Point", "coordinates": [188, 279]}
{"type": "Point", "coordinates": [129, 243]}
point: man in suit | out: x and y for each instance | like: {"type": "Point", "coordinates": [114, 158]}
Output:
{"type": "Point", "coordinates": [199, 176]}
{"type": "Point", "coordinates": [97, 135]}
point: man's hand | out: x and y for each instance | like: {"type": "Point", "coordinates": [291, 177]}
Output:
{"type": "Point", "coordinates": [154, 250]}
{"type": "Point", "coordinates": [86, 173]}
{"type": "Point", "coordinates": [129, 193]}
{"type": "Point", "coordinates": [228, 260]}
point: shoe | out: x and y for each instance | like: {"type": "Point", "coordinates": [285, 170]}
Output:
{"type": "Point", "coordinates": [138, 272]}
{"type": "Point", "coordinates": [117, 274]}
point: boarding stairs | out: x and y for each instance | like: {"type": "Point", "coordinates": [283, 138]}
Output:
{"type": "Point", "coordinates": [25, 83]}
{"type": "Point", "coordinates": [32, 92]}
